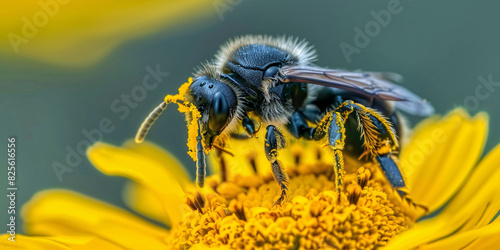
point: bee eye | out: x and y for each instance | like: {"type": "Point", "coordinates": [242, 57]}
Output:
{"type": "Point", "coordinates": [219, 112]}
{"type": "Point", "coordinates": [271, 71]}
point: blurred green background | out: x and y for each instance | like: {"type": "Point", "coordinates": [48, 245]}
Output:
{"type": "Point", "coordinates": [440, 47]}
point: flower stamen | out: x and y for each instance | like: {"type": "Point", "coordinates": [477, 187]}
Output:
{"type": "Point", "coordinates": [354, 192]}
{"type": "Point", "coordinates": [238, 209]}
{"type": "Point", "coordinates": [364, 175]}
{"type": "Point", "coordinates": [196, 202]}
{"type": "Point", "coordinates": [240, 215]}
{"type": "Point", "coordinates": [251, 159]}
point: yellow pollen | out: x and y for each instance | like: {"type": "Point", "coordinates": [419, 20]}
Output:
{"type": "Point", "coordinates": [192, 115]}
{"type": "Point", "coordinates": [240, 213]}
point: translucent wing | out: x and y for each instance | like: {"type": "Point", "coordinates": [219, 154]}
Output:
{"type": "Point", "coordinates": [364, 83]}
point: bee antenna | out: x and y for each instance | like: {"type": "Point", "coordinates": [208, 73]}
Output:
{"type": "Point", "coordinates": [148, 122]}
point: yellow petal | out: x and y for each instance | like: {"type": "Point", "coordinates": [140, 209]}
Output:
{"type": "Point", "coordinates": [145, 202]}
{"type": "Point", "coordinates": [56, 242]}
{"type": "Point", "coordinates": [61, 212]}
{"type": "Point", "coordinates": [78, 33]}
{"type": "Point", "coordinates": [143, 170]}
{"type": "Point", "coordinates": [479, 237]}
{"type": "Point", "coordinates": [482, 173]}
{"type": "Point", "coordinates": [412, 153]}
{"type": "Point", "coordinates": [488, 238]}
{"type": "Point", "coordinates": [452, 217]}
{"type": "Point", "coordinates": [441, 155]}
{"type": "Point", "coordinates": [155, 152]}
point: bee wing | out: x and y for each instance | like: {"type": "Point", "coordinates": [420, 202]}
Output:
{"type": "Point", "coordinates": [364, 83]}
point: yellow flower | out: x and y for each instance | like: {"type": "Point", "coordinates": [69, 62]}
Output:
{"type": "Point", "coordinates": [79, 33]}
{"type": "Point", "coordinates": [440, 164]}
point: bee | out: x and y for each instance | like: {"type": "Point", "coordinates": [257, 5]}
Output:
{"type": "Point", "coordinates": [274, 81]}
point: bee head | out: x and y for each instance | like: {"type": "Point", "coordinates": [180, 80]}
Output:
{"type": "Point", "coordinates": [217, 103]}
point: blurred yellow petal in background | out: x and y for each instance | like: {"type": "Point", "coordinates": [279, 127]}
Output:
{"type": "Point", "coordinates": [79, 33]}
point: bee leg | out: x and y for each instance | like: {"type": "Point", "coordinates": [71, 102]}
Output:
{"type": "Point", "coordinates": [392, 173]}
{"type": "Point", "coordinates": [378, 133]}
{"type": "Point", "coordinates": [394, 176]}
{"type": "Point", "coordinates": [336, 139]}
{"type": "Point", "coordinates": [380, 143]}
{"type": "Point", "coordinates": [372, 125]}
{"type": "Point", "coordinates": [249, 126]}
{"type": "Point", "coordinates": [298, 126]}
{"type": "Point", "coordinates": [200, 162]}
{"type": "Point", "coordinates": [274, 142]}
{"type": "Point", "coordinates": [333, 125]}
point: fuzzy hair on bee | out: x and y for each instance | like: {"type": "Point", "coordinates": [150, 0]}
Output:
{"type": "Point", "coordinates": [299, 52]}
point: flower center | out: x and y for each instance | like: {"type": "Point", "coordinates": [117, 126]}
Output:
{"type": "Point", "coordinates": [240, 213]}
